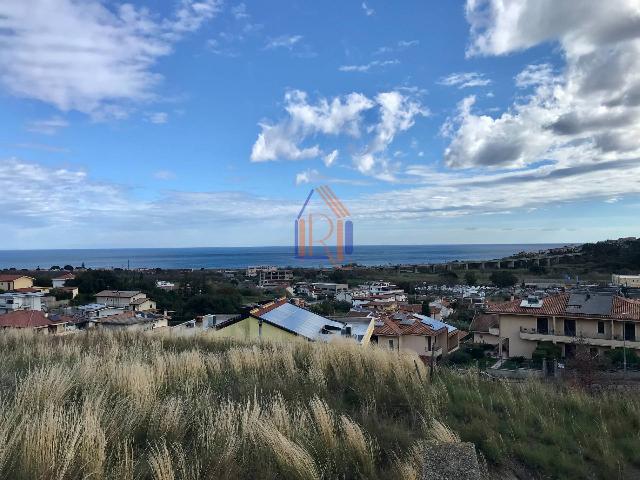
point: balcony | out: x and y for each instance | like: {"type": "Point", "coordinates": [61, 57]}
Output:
{"type": "Point", "coordinates": [599, 340]}
{"type": "Point", "coordinates": [436, 353]}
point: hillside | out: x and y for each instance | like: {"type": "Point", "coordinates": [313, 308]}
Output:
{"type": "Point", "coordinates": [149, 407]}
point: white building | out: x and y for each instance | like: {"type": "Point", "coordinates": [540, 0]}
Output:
{"type": "Point", "coordinates": [61, 280]}
{"type": "Point", "coordinates": [10, 302]}
{"type": "Point", "coordinates": [255, 270]}
{"type": "Point", "coordinates": [164, 285]}
{"type": "Point", "coordinates": [626, 280]}
{"type": "Point", "coordinates": [97, 310]}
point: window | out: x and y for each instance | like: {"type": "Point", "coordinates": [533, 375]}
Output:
{"type": "Point", "coordinates": [630, 331]}
{"type": "Point", "coordinates": [428, 344]}
{"type": "Point", "coordinates": [569, 328]}
{"type": "Point", "coordinates": [601, 327]}
{"type": "Point", "coordinates": [543, 325]}
{"type": "Point", "coordinates": [593, 351]}
{"type": "Point", "coordinates": [391, 344]}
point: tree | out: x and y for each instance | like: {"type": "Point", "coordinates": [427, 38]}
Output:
{"type": "Point", "coordinates": [502, 279]}
{"type": "Point", "coordinates": [425, 309]}
{"type": "Point", "coordinates": [42, 281]}
{"type": "Point", "coordinates": [470, 278]}
{"type": "Point", "coordinates": [68, 268]}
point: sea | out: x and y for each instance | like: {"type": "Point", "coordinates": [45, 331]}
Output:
{"type": "Point", "coordinates": [242, 257]}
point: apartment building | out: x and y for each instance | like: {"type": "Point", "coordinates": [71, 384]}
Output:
{"type": "Point", "coordinates": [599, 320]}
{"type": "Point", "coordinates": [275, 278]}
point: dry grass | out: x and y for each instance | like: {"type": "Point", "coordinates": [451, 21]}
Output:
{"type": "Point", "coordinates": [124, 406]}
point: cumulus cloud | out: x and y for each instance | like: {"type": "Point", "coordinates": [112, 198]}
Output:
{"type": "Point", "coordinates": [465, 80]}
{"type": "Point", "coordinates": [589, 112]}
{"type": "Point", "coordinates": [340, 116]}
{"type": "Point", "coordinates": [100, 69]}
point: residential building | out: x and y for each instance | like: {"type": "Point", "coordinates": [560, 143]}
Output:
{"type": "Point", "coordinates": [205, 323]}
{"type": "Point", "coordinates": [626, 280]}
{"type": "Point", "coordinates": [96, 310]}
{"type": "Point", "coordinates": [36, 320]}
{"type": "Point", "coordinates": [275, 278]}
{"type": "Point", "coordinates": [10, 282]}
{"type": "Point", "coordinates": [131, 320]}
{"type": "Point", "coordinates": [599, 320]}
{"type": "Point", "coordinates": [13, 301]}
{"type": "Point", "coordinates": [321, 289]}
{"type": "Point", "coordinates": [417, 333]}
{"type": "Point", "coordinates": [281, 320]}
{"type": "Point", "coordinates": [485, 328]}
{"type": "Point", "coordinates": [255, 270]}
{"type": "Point", "coordinates": [127, 299]}
{"type": "Point", "coordinates": [61, 280]}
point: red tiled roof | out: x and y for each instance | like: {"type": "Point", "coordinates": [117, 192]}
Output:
{"type": "Point", "coordinates": [622, 308]}
{"type": "Point", "coordinates": [28, 319]}
{"type": "Point", "coordinates": [483, 322]}
{"type": "Point", "coordinates": [65, 276]}
{"type": "Point", "coordinates": [258, 312]}
{"type": "Point", "coordinates": [392, 328]}
{"type": "Point", "coordinates": [10, 277]}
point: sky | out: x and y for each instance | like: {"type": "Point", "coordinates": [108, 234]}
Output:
{"type": "Point", "coordinates": [206, 122]}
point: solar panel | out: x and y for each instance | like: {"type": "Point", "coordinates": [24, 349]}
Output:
{"type": "Point", "coordinates": [300, 321]}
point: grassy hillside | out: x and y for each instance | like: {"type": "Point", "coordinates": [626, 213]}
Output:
{"type": "Point", "coordinates": [135, 406]}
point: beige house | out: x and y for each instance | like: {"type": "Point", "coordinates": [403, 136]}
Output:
{"type": "Point", "coordinates": [486, 329]}
{"type": "Point", "coordinates": [598, 320]}
{"type": "Point", "coordinates": [14, 282]}
{"type": "Point", "coordinates": [127, 299]}
{"type": "Point", "coordinates": [417, 333]}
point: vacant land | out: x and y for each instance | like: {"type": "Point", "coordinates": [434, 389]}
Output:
{"type": "Point", "coordinates": [142, 406]}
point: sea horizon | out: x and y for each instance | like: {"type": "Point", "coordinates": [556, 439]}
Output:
{"type": "Point", "coordinates": [242, 257]}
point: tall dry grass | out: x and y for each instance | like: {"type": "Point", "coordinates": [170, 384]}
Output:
{"type": "Point", "coordinates": [135, 406]}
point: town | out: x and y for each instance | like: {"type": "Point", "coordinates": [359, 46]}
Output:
{"type": "Point", "coordinates": [508, 326]}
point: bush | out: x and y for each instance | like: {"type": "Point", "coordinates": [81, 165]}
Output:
{"type": "Point", "coordinates": [503, 279]}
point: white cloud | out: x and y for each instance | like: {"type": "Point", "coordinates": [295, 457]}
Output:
{"type": "Point", "coordinates": [47, 126]}
{"type": "Point", "coordinates": [398, 47]}
{"type": "Point", "coordinates": [368, 66]}
{"type": "Point", "coordinates": [535, 75]}
{"type": "Point", "coordinates": [159, 117]}
{"type": "Point", "coordinates": [367, 10]}
{"type": "Point", "coordinates": [465, 80]}
{"type": "Point", "coordinates": [89, 56]}
{"type": "Point", "coordinates": [341, 115]}
{"type": "Point", "coordinates": [307, 176]}
{"type": "Point", "coordinates": [240, 12]}
{"type": "Point", "coordinates": [587, 114]}
{"type": "Point", "coordinates": [330, 158]}
{"type": "Point", "coordinates": [283, 41]}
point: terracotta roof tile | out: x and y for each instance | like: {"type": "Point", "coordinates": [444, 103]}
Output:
{"type": "Point", "coordinates": [622, 308]}
{"type": "Point", "coordinates": [28, 319]}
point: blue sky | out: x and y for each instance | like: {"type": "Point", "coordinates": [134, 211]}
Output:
{"type": "Point", "coordinates": [205, 123]}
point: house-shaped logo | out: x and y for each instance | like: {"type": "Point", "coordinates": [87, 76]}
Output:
{"type": "Point", "coordinates": [324, 236]}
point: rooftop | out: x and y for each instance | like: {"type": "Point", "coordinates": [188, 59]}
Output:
{"type": "Point", "coordinates": [118, 293]}
{"type": "Point", "coordinates": [29, 319]}
{"type": "Point", "coordinates": [595, 304]}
